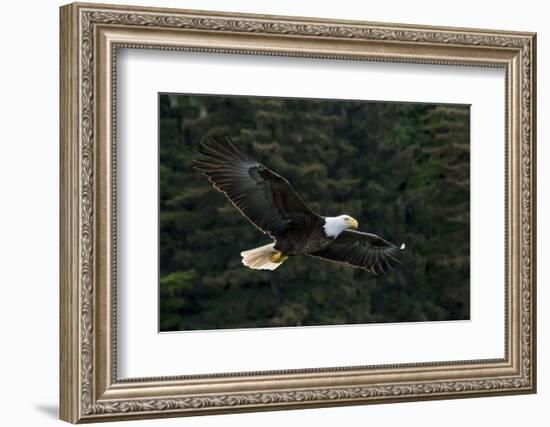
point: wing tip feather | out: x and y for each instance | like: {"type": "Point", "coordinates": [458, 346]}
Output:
{"type": "Point", "coordinates": [223, 151]}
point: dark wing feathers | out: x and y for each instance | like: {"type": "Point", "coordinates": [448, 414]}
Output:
{"type": "Point", "coordinates": [265, 198]}
{"type": "Point", "coordinates": [362, 250]}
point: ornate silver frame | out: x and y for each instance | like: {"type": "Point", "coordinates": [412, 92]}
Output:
{"type": "Point", "coordinates": [90, 36]}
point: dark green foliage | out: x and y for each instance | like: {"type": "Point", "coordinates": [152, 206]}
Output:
{"type": "Point", "coordinates": [402, 170]}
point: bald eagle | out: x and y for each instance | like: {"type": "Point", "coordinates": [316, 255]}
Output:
{"type": "Point", "coordinates": [269, 202]}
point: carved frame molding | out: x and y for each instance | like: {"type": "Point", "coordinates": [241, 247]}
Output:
{"type": "Point", "coordinates": [90, 37]}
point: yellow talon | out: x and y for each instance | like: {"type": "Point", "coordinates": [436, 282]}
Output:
{"type": "Point", "coordinates": [278, 257]}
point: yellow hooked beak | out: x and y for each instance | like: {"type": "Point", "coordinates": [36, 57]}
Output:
{"type": "Point", "coordinates": [352, 223]}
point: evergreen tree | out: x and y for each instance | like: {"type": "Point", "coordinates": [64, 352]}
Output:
{"type": "Point", "coordinates": [401, 169]}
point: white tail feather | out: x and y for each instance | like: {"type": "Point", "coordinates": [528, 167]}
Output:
{"type": "Point", "coordinates": [258, 258]}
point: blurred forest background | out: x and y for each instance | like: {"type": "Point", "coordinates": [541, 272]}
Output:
{"type": "Point", "coordinates": [401, 169]}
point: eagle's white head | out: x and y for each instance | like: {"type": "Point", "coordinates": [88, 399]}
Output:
{"type": "Point", "coordinates": [334, 225]}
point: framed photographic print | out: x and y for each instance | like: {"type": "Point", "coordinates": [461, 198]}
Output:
{"type": "Point", "coordinates": [266, 212]}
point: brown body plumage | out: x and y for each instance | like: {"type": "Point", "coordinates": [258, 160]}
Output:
{"type": "Point", "coordinates": [269, 202]}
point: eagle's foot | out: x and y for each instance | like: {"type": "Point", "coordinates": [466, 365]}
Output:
{"type": "Point", "coordinates": [278, 257]}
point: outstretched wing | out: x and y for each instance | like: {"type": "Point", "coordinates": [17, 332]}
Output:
{"type": "Point", "coordinates": [265, 198]}
{"type": "Point", "coordinates": [362, 250]}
